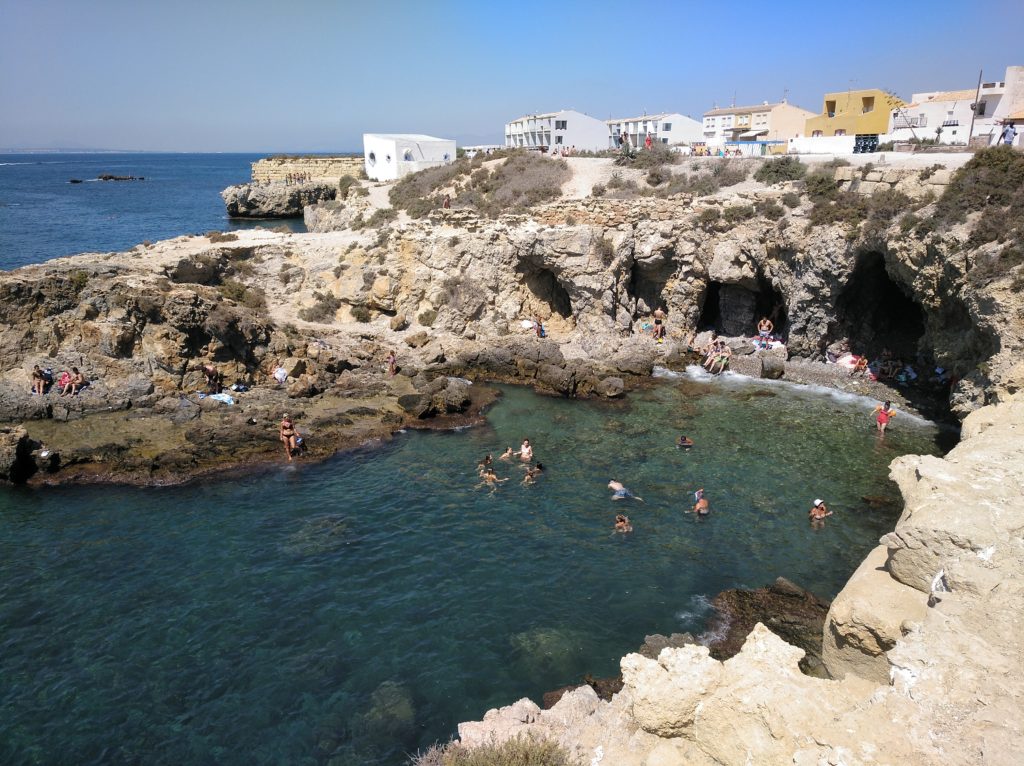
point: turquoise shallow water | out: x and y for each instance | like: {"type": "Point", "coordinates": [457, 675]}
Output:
{"type": "Point", "coordinates": [353, 611]}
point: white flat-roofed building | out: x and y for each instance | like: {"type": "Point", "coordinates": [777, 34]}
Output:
{"type": "Point", "coordinates": [389, 156]}
{"type": "Point", "coordinates": [665, 128]}
{"type": "Point", "coordinates": [561, 130]}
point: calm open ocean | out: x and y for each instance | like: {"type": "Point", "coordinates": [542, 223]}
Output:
{"type": "Point", "coordinates": [42, 216]}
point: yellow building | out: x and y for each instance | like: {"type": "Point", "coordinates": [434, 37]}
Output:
{"type": "Point", "coordinates": [853, 112]}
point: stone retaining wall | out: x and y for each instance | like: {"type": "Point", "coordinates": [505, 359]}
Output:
{"type": "Point", "coordinates": [321, 169]}
{"type": "Point", "coordinates": [906, 180]}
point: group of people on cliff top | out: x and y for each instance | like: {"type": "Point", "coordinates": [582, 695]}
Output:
{"type": "Point", "coordinates": [68, 383]}
{"type": "Point", "coordinates": [489, 478]}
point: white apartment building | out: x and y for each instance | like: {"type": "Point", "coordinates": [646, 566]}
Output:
{"type": "Point", "coordinates": [666, 128]}
{"type": "Point", "coordinates": [995, 104]}
{"type": "Point", "coordinates": [764, 122]}
{"type": "Point", "coordinates": [389, 156]}
{"type": "Point", "coordinates": [566, 128]}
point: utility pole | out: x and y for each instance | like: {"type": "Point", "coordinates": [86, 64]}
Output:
{"type": "Point", "coordinates": [974, 109]}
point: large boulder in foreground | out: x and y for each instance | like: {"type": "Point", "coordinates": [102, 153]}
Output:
{"type": "Point", "coordinates": [276, 200]}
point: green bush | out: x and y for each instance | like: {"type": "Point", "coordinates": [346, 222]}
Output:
{"type": "Point", "coordinates": [929, 171]}
{"type": "Point", "coordinates": [708, 218]}
{"type": "Point", "coordinates": [886, 204]}
{"type": "Point", "coordinates": [991, 183]}
{"type": "Point", "coordinates": [361, 313]}
{"type": "Point", "coordinates": [658, 175]}
{"type": "Point", "coordinates": [427, 317]}
{"type": "Point", "coordinates": [78, 279]}
{"type": "Point", "coordinates": [381, 216]}
{"type": "Point", "coordinates": [844, 207]}
{"type": "Point", "coordinates": [821, 185]}
{"type": "Point", "coordinates": [323, 310]}
{"type": "Point", "coordinates": [791, 200]}
{"type": "Point", "coordinates": [598, 190]}
{"type": "Point", "coordinates": [345, 184]}
{"type": "Point", "coordinates": [413, 193]}
{"type": "Point", "coordinates": [780, 170]}
{"type": "Point", "coordinates": [730, 172]}
{"type": "Point", "coordinates": [221, 236]}
{"type": "Point", "coordinates": [605, 250]}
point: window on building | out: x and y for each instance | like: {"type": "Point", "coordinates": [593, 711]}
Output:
{"type": "Point", "coordinates": [981, 108]}
{"type": "Point", "coordinates": [840, 132]}
{"type": "Point", "coordinates": [664, 140]}
{"type": "Point", "coordinates": [830, 108]}
{"type": "Point", "coordinates": [558, 139]}
{"type": "Point", "coordinates": [407, 155]}
{"type": "Point", "coordinates": [372, 158]}
{"type": "Point", "coordinates": [867, 104]}
{"type": "Point", "coordinates": [816, 134]}
{"type": "Point", "coordinates": [560, 124]}
{"type": "Point", "coordinates": [667, 127]}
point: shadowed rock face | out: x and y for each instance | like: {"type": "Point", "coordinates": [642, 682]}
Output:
{"type": "Point", "coordinates": [277, 200]}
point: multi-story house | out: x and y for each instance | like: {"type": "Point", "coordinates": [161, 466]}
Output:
{"type": "Point", "coordinates": [566, 128]}
{"type": "Point", "coordinates": [941, 115]}
{"type": "Point", "coordinates": [853, 113]}
{"type": "Point", "coordinates": [764, 122]}
{"type": "Point", "coordinates": [673, 128]}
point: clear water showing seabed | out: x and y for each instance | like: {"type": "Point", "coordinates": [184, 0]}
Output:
{"type": "Point", "coordinates": [353, 611]}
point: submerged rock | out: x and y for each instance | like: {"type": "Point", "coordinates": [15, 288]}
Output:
{"type": "Point", "coordinates": [319, 535]}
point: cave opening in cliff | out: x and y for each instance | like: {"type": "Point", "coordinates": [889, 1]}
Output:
{"type": "Point", "coordinates": [545, 286]}
{"type": "Point", "coordinates": [876, 313]}
{"type": "Point", "coordinates": [647, 284]}
{"type": "Point", "coordinates": [734, 310]}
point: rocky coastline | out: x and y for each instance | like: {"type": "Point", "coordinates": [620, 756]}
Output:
{"type": "Point", "coordinates": [920, 649]}
{"type": "Point", "coordinates": [275, 199]}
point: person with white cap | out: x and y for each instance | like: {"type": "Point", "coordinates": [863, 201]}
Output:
{"type": "Point", "coordinates": [819, 512]}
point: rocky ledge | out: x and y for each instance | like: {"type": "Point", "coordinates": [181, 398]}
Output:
{"type": "Point", "coordinates": [275, 200]}
{"type": "Point", "coordinates": [922, 646]}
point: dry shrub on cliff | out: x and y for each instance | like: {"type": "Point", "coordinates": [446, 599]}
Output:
{"type": "Point", "coordinates": [736, 213]}
{"type": "Point", "coordinates": [730, 172]}
{"type": "Point", "coordinates": [323, 310]}
{"type": "Point", "coordinates": [991, 183]}
{"type": "Point", "coordinates": [770, 209]}
{"type": "Point", "coordinates": [415, 193]}
{"type": "Point", "coordinates": [250, 297]}
{"type": "Point", "coordinates": [221, 236]}
{"type": "Point", "coordinates": [645, 159]}
{"type": "Point", "coordinates": [522, 751]}
{"type": "Point", "coordinates": [526, 180]}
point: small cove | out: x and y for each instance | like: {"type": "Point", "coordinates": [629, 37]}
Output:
{"type": "Point", "coordinates": [357, 609]}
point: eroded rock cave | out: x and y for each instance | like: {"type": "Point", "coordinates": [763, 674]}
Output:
{"type": "Point", "coordinates": [876, 313]}
{"type": "Point", "coordinates": [545, 287]}
{"type": "Point", "coordinates": [734, 310]}
{"type": "Point", "coordinates": [647, 280]}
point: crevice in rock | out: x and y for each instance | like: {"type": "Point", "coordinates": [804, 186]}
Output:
{"type": "Point", "coordinates": [647, 284]}
{"type": "Point", "coordinates": [735, 310]}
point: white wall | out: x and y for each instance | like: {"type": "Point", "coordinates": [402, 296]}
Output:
{"type": "Point", "coordinates": [582, 131]}
{"type": "Point", "coordinates": [822, 145]}
{"type": "Point", "coordinates": [388, 158]}
{"type": "Point", "coordinates": [934, 114]}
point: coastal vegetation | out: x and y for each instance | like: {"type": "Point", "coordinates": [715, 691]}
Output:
{"type": "Point", "coordinates": [519, 751]}
{"type": "Point", "coordinates": [780, 170]}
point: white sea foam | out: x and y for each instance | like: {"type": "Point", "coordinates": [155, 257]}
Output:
{"type": "Point", "coordinates": [735, 380]}
{"type": "Point", "coordinates": [696, 610]}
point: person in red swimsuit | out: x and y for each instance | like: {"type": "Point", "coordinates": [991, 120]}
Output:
{"type": "Point", "coordinates": [883, 414]}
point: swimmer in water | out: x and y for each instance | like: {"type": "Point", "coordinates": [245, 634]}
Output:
{"type": "Point", "coordinates": [883, 414]}
{"type": "Point", "coordinates": [684, 443]}
{"type": "Point", "coordinates": [701, 507]}
{"type": "Point", "coordinates": [525, 451]}
{"type": "Point", "coordinates": [619, 492]}
{"type": "Point", "coordinates": [532, 474]}
{"type": "Point", "coordinates": [490, 479]}
{"type": "Point", "coordinates": [818, 513]}
{"type": "Point", "coordinates": [622, 523]}
{"type": "Point", "coordinates": [484, 464]}
{"type": "Point", "coordinates": [508, 454]}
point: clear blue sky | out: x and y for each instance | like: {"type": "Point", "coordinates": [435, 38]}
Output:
{"type": "Point", "coordinates": [313, 75]}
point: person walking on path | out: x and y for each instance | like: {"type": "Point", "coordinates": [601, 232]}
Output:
{"type": "Point", "coordinates": [1009, 133]}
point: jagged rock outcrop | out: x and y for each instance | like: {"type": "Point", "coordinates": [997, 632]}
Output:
{"type": "Point", "coordinates": [275, 200]}
{"type": "Point", "coordinates": [923, 644]}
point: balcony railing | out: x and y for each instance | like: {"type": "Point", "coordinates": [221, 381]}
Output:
{"type": "Point", "coordinates": [906, 121]}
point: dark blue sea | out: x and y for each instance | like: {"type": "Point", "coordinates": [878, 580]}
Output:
{"type": "Point", "coordinates": [43, 216]}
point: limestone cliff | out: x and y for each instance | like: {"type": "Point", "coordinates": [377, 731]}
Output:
{"type": "Point", "coordinates": [275, 200]}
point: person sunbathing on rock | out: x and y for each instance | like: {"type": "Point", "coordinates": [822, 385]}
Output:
{"type": "Point", "coordinates": [76, 384]}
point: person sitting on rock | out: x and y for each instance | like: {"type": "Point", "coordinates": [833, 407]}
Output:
{"type": "Point", "coordinates": [213, 378]}
{"type": "Point", "coordinates": [76, 384]}
{"type": "Point", "coordinates": [622, 523]}
{"type": "Point", "coordinates": [860, 367]}
{"type": "Point", "coordinates": [721, 358]}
